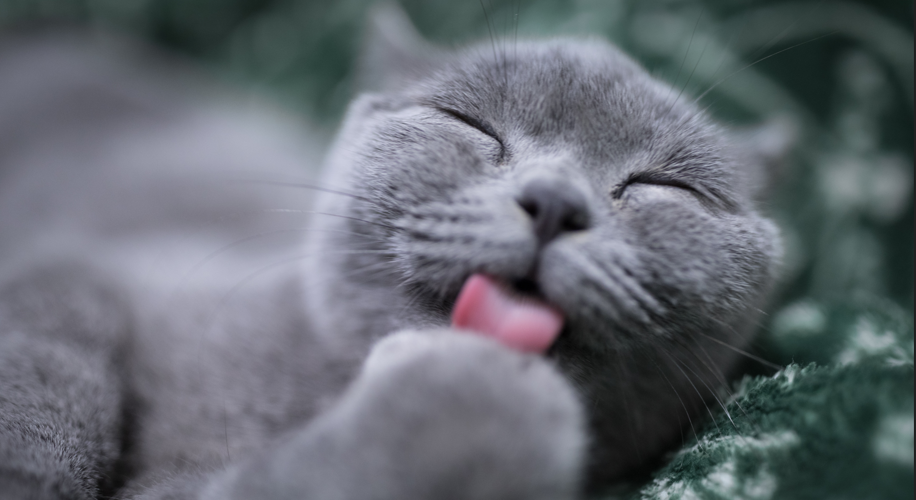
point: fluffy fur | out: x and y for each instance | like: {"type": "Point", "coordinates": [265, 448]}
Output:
{"type": "Point", "coordinates": [165, 335]}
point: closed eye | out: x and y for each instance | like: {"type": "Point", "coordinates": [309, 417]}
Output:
{"type": "Point", "coordinates": [482, 126]}
{"type": "Point", "coordinates": [657, 180]}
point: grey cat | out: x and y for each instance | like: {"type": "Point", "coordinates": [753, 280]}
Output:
{"type": "Point", "coordinates": [164, 335]}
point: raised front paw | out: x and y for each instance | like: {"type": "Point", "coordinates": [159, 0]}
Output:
{"type": "Point", "coordinates": [459, 416]}
{"type": "Point", "coordinates": [438, 415]}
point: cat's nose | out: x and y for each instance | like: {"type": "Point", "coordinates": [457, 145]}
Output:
{"type": "Point", "coordinates": [555, 206]}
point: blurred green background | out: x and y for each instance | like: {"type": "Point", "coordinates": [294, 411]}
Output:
{"type": "Point", "coordinates": [842, 70]}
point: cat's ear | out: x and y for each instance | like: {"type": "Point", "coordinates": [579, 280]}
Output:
{"type": "Point", "coordinates": [764, 151]}
{"type": "Point", "coordinates": [393, 51]}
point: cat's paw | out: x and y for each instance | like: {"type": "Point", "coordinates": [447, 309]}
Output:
{"type": "Point", "coordinates": [460, 411]}
{"type": "Point", "coordinates": [432, 415]}
{"type": "Point", "coordinates": [400, 348]}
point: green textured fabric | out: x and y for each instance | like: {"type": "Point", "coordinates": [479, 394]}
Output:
{"type": "Point", "coordinates": [837, 421]}
{"type": "Point", "coordinates": [841, 428]}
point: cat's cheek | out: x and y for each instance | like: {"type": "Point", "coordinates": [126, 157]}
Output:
{"type": "Point", "coordinates": [755, 249]}
{"type": "Point", "coordinates": [771, 245]}
{"type": "Point", "coordinates": [426, 166]}
{"type": "Point", "coordinates": [557, 277]}
{"type": "Point", "coordinates": [680, 242]}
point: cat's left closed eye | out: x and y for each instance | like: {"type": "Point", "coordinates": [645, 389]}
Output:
{"type": "Point", "coordinates": [473, 122]}
{"type": "Point", "coordinates": [481, 126]}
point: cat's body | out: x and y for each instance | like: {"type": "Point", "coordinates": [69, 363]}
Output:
{"type": "Point", "coordinates": [162, 325]}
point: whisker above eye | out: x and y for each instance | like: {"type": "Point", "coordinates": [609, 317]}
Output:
{"type": "Point", "coordinates": [742, 69]}
{"type": "Point", "coordinates": [684, 60]}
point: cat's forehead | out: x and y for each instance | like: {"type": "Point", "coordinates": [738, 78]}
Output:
{"type": "Point", "coordinates": [581, 93]}
{"type": "Point", "coordinates": [532, 67]}
{"type": "Point", "coordinates": [579, 76]}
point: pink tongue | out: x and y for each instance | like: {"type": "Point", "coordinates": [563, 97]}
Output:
{"type": "Point", "coordinates": [524, 324]}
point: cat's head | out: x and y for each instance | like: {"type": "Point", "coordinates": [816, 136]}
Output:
{"type": "Point", "coordinates": [564, 170]}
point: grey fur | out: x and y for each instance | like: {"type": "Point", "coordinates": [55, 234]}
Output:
{"type": "Point", "coordinates": [153, 366]}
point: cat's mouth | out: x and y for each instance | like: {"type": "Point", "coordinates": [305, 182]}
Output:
{"type": "Point", "coordinates": [514, 315]}
{"type": "Point", "coordinates": [526, 287]}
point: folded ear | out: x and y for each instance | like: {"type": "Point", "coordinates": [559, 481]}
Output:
{"type": "Point", "coordinates": [763, 151]}
{"type": "Point", "coordinates": [392, 50]}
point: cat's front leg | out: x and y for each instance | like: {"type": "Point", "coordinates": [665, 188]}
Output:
{"type": "Point", "coordinates": [433, 415]}
{"type": "Point", "coordinates": [62, 393]}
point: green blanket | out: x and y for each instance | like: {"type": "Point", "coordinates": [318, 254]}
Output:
{"type": "Point", "coordinates": [837, 421]}
{"type": "Point", "coordinates": [837, 425]}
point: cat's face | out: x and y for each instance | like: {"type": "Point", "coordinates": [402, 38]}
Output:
{"type": "Point", "coordinates": [563, 170]}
